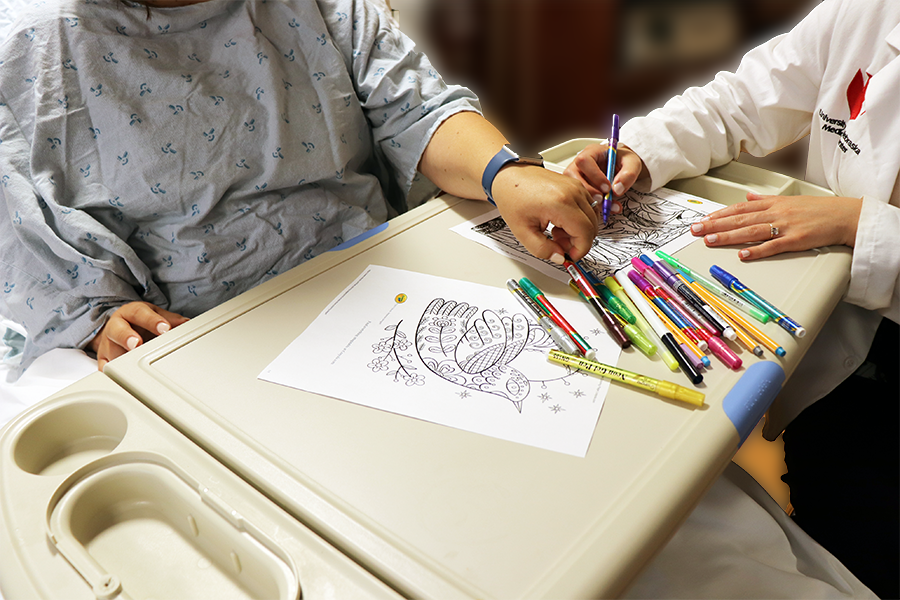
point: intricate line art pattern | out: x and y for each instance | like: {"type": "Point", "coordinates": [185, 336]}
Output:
{"type": "Point", "coordinates": [647, 222]}
{"type": "Point", "coordinates": [470, 349]}
{"type": "Point", "coordinates": [389, 357]}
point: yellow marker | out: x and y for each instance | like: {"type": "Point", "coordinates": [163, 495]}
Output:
{"type": "Point", "coordinates": [619, 292]}
{"type": "Point", "coordinates": [666, 389]}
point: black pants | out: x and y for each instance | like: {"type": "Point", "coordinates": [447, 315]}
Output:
{"type": "Point", "coordinates": [843, 460]}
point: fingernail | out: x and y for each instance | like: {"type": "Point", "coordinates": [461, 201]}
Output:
{"type": "Point", "coordinates": [616, 208]}
{"type": "Point", "coordinates": [618, 188]}
{"type": "Point", "coordinates": [604, 187]}
{"type": "Point", "coordinates": [162, 328]}
{"type": "Point", "coordinates": [132, 343]}
{"type": "Point", "coordinates": [557, 258]}
{"type": "Point", "coordinates": [712, 238]}
{"type": "Point", "coordinates": [101, 364]}
{"type": "Point", "coordinates": [744, 254]}
{"type": "Point", "coordinates": [697, 228]}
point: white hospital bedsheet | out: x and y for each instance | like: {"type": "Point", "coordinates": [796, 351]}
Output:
{"type": "Point", "coordinates": [50, 373]}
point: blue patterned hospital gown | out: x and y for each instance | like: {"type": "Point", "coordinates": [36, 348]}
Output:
{"type": "Point", "coordinates": [186, 158]}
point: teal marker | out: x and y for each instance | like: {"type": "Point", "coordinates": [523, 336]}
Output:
{"type": "Point", "coordinates": [725, 295]}
{"type": "Point", "coordinates": [538, 296]}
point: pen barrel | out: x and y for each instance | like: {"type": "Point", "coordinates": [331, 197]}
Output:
{"type": "Point", "coordinates": [673, 391]}
{"type": "Point", "coordinates": [748, 328]}
{"type": "Point", "coordinates": [615, 304]}
{"type": "Point", "coordinates": [779, 317]}
{"type": "Point", "coordinates": [559, 337]}
{"type": "Point", "coordinates": [665, 389]}
{"type": "Point", "coordinates": [735, 300]}
{"type": "Point", "coordinates": [613, 326]}
{"type": "Point", "coordinates": [720, 291]}
{"type": "Point", "coordinates": [724, 353]}
{"type": "Point", "coordinates": [694, 306]}
{"type": "Point", "coordinates": [637, 337]}
{"type": "Point", "coordinates": [614, 330]}
{"type": "Point", "coordinates": [683, 362]}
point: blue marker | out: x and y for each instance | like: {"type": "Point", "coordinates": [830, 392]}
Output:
{"type": "Point", "coordinates": [731, 282]}
{"type": "Point", "coordinates": [611, 166]}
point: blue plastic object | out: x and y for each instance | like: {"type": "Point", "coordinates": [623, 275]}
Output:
{"type": "Point", "coordinates": [361, 237]}
{"type": "Point", "coordinates": [752, 395]}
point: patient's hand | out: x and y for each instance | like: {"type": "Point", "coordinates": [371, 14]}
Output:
{"type": "Point", "coordinates": [130, 326]}
{"type": "Point", "coordinates": [472, 351]}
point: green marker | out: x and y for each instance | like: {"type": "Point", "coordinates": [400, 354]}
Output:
{"type": "Point", "coordinates": [635, 335]}
{"type": "Point", "coordinates": [538, 296]}
{"type": "Point", "coordinates": [716, 289]}
{"type": "Point", "coordinates": [615, 304]}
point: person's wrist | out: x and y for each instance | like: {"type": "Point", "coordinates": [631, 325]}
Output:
{"type": "Point", "coordinates": [498, 163]}
{"type": "Point", "coordinates": [852, 223]}
{"type": "Point", "coordinates": [511, 177]}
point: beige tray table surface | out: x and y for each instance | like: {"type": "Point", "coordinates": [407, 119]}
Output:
{"type": "Point", "coordinates": [442, 513]}
{"type": "Point", "coordinates": [101, 498]}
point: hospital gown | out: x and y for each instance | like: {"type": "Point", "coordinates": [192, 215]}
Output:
{"type": "Point", "coordinates": [186, 158]}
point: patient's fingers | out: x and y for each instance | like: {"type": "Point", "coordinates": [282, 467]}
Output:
{"type": "Point", "coordinates": [130, 326]}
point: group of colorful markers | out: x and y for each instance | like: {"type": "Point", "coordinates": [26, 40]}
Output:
{"type": "Point", "coordinates": [666, 301]}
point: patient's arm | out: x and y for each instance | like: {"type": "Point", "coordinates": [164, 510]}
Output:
{"type": "Point", "coordinates": [529, 197]}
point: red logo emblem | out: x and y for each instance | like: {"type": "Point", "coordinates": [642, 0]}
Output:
{"type": "Point", "coordinates": [856, 93]}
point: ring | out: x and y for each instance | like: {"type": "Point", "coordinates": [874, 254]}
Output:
{"type": "Point", "coordinates": [773, 231]}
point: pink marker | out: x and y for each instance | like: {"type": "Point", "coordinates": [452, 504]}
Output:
{"type": "Point", "coordinates": [712, 342]}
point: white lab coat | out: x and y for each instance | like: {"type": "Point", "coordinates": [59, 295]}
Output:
{"type": "Point", "coordinates": [836, 78]}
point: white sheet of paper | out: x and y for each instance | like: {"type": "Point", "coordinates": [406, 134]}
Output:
{"type": "Point", "coordinates": [450, 352]}
{"type": "Point", "coordinates": [660, 220]}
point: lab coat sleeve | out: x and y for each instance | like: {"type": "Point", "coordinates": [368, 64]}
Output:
{"type": "Point", "coordinates": [875, 271]}
{"type": "Point", "coordinates": [763, 106]}
{"type": "Point", "coordinates": [404, 97]}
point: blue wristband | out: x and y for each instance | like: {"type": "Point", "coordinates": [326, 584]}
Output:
{"type": "Point", "coordinates": [504, 156]}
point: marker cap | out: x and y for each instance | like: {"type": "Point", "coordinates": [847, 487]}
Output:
{"type": "Point", "coordinates": [673, 391]}
{"type": "Point", "coordinates": [722, 276]}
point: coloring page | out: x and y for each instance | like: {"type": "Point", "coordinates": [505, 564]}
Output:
{"type": "Point", "coordinates": [660, 220]}
{"type": "Point", "coordinates": [450, 352]}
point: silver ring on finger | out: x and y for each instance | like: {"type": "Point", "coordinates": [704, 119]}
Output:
{"type": "Point", "coordinates": [773, 232]}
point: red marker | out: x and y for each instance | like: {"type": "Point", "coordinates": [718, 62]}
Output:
{"type": "Point", "coordinates": [612, 327]}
